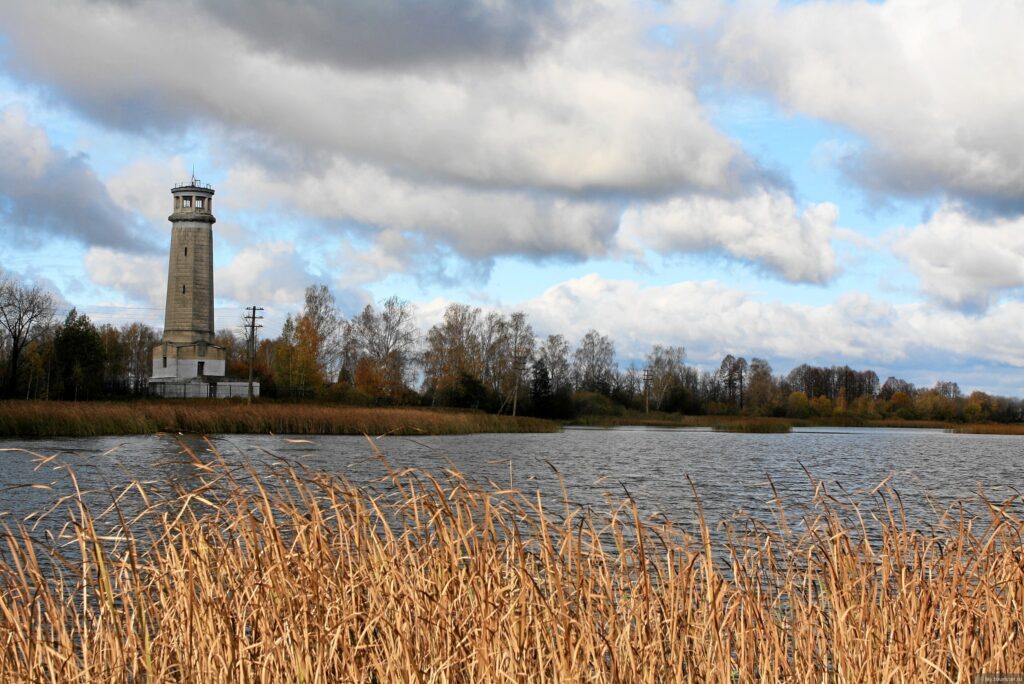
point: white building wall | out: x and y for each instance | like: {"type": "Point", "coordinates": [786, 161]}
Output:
{"type": "Point", "coordinates": [185, 369]}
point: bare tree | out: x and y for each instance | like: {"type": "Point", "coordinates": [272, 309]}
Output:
{"type": "Point", "coordinates": [494, 344]}
{"type": "Point", "coordinates": [665, 371]}
{"type": "Point", "coordinates": [762, 391]}
{"type": "Point", "coordinates": [554, 352]}
{"type": "Point", "coordinates": [139, 340]}
{"type": "Point", "coordinates": [24, 311]}
{"type": "Point", "coordinates": [593, 363]}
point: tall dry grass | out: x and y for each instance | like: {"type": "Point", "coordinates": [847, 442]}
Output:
{"type": "Point", "coordinates": [990, 429]}
{"type": "Point", "coordinates": [299, 576]}
{"type": "Point", "coordinates": [754, 425]}
{"type": "Point", "coordinates": [90, 419]}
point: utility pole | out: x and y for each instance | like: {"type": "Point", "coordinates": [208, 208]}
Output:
{"type": "Point", "coordinates": [250, 321]}
{"type": "Point", "coordinates": [647, 390]}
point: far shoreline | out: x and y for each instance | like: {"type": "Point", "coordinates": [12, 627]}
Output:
{"type": "Point", "coordinates": [36, 418]}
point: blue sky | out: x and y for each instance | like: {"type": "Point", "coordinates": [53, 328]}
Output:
{"type": "Point", "coordinates": [825, 182]}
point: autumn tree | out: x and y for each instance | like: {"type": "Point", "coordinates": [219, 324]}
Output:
{"type": "Point", "coordinates": [236, 353]}
{"type": "Point", "coordinates": [319, 331]}
{"type": "Point", "coordinates": [453, 358]}
{"type": "Point", "coordinates": [307, 366]}
{"type": "Point", "coordinates": [378, 349]}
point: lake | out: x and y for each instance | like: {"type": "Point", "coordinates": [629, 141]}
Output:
{"type": "Point", "coordinates": [928, 468]}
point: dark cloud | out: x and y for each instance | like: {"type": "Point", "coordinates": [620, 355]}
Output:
{"type": "Point", "coordinates": [884, 175]}
{"type": "Point", "coordinates": [44, 191]}
{"type": "Point", "coordinates": [387, 33]}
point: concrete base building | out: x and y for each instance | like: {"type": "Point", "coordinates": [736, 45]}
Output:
{"type": "Point", "coordinates": [187, 363]}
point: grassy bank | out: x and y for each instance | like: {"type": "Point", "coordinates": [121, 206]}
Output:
{"type": "Point", "coordinates": [302, 577]}
{"type": "Point", "coordinates": [88, 419]}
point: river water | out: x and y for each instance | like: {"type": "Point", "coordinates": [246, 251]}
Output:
{"type": "Point", "coordinates": [929, 469]}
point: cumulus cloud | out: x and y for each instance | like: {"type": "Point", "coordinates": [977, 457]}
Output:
{"type": "Point", "coordinates": [140, 277]}
{"type": "Point", "coordinates": [711, 319]}
{"type": "Point", "coordinates": [763, 228]}
{"type": "Point", "coordinates": [477, 222]}
{"type": "Point", "coordinates": [535, 149]}
{"type": "Point", "coordinates": [392, 33]}
{"type": "Point", "coordinates": [270, 273]}
{"type": "Point", "coordinates": [394, 252]}
{"type": "Point", "coordinates": [143, 186]}
{"type": "Point", "coordinates": [594, 111]}
{"type": "Point", "coordinates": [931, 86]}
{"type": "Point", "coordinates": [45, 191]}
{"type": "Point", "coordinates": [961, 260]}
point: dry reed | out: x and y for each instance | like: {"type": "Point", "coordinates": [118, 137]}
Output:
{"type": "Point", "coordinates": [758, 425]}
{"type": "Point", "coordinates": [299, 576]}
{"type": "Point", "coordinates": [90, 419]}
{"type": "Point", "coordinates": [990, 429]}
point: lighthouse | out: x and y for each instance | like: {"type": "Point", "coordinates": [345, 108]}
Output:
{"type": "Point", "coordinates": [187, 363]}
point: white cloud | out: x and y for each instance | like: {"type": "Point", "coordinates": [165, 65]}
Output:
{"type": "Point", "coordinates": [597, 109]}
{"type": "Point", "coordinates": [764, 228]}
{"type": "Point", "coordinates": [45, 191]}
{"type": "Point", "coordinates": [267, 274]}
{"type": "Point", "coordinates": [140, 277]}
{"type": "Point", "coordinates": [476, 222]}
{"type": "Point", "coordinates": [711, 320]}
{"type": "Point", "coordinates": [534, 153]}
{"type": "Point", "coordinates": [962, 260]}
{"type": "Point", "coordinates": [932, 85]}
{"type": "Point", "coordinates": [144, 185]}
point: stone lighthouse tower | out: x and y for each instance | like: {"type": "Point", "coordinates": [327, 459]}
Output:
{"type": "Point", "coordinates": [187, 363]}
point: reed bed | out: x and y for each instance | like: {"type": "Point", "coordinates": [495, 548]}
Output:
{"type": "Point", "coordinates": [990, 429]}
{"type": "Point", "coordinates": [754, 425]}
{"type": "Point", "coordinates": [299, 576]}
{"type": "Point", "coordinates": [90, 419]}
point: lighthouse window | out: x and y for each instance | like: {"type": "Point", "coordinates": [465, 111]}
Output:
{"type": "Point", "coordinates": [199, 202]}
{"type": "Point", "coordinates": [186, 202]}
{"type": "Point", "coordinates": [182, 289]}
{"type": "Point", "coordinates": [186, 251]}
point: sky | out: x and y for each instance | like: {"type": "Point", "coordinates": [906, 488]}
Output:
{"type": "Point", "coordinates": [830, 182]}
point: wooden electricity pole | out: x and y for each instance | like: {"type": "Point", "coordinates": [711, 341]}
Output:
{"type": "Point", "coordinates": [250, 322]}
{"type": "Point", "coordinates": [647, 390]}
{"type": "Point", "coordinates": [518, 364]}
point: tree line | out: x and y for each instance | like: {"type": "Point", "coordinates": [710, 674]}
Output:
{"type": "Point", "coordinates": [470, 359]}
